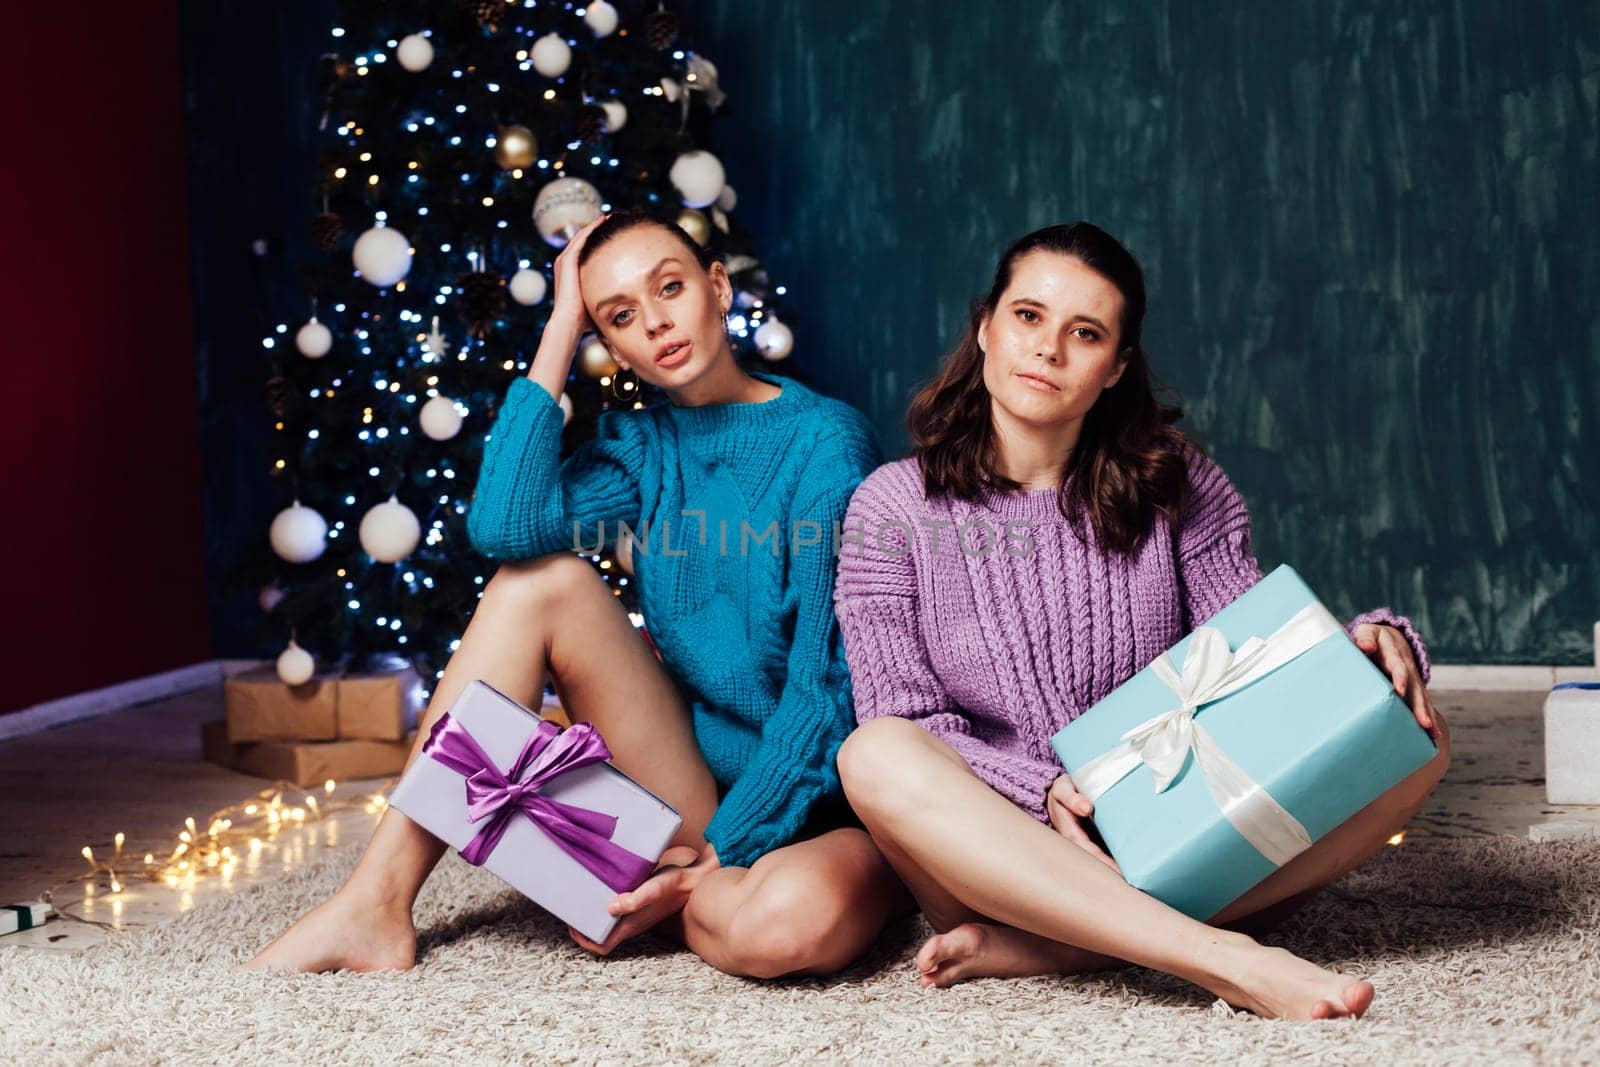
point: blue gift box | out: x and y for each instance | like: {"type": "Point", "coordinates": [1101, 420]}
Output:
{"type": "Point", "coordinates": [1324, 734]}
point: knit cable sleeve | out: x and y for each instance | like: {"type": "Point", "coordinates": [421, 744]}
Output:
{"type": "Point", "coordinates": [876, 602]}
{"type": "Point", "coordinates": [1217, 564]}
{"type": "Point", "coordinates": [794, 766]}
{"type": "Point", "coordinates": [529, 502]}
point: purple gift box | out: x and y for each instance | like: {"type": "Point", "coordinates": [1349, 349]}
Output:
{"type": "Point", "coordinates": [537, 805]}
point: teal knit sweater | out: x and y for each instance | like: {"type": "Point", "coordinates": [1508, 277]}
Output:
{"type": "Point", "coordinates": [735, 511]}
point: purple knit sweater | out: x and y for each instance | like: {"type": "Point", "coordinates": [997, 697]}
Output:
{"type": "Point", "coordinates": [994, 651]}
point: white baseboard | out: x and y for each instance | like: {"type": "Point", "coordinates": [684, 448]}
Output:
{"type": "Point", "coordinates": [53, 713]}
{"type": "Point", "coordinates": [1504, 677]}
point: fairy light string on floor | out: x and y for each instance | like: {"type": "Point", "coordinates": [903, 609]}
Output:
{"type": "Point", "coordinates": [230, 834]}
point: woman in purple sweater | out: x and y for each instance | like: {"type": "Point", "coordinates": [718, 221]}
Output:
{"type": "Point", "coordinates": [1052, 534]}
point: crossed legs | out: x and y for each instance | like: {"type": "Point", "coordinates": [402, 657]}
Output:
{"type": "Point", "coordinates": [1010, 896]}
{"type": "Point", "coordinates": [554, 614]}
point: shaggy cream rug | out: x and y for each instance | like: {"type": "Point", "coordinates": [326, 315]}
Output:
{"type": "Point", "coordinates": [1479, 948]}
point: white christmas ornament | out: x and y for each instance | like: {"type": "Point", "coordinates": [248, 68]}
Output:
{"type": "Point", "coordinates": [551, 56]}
{"type": "Point", "coordinates": [295, 665]}
{"type": "Point", "coordinates": [440, 418]}
{"type": "Point", "coordinates": [616, 114]}
{"type": "Point", "coordinates": [528, 286]}
{"type": "Point", "coordinates": [601, 17]}
{"type": "Point", "coordinates": [774, 339]}
{"type": "Point", "coordinates": [298, 534]}
{"type": "Point", "coordinates": [313, 339]}
{"type": "Point", "coordinates": [390, 531]}
{"type": "Point", "coordinates": [727, 200]}
{"type": "Point", "coordinates": [415, 53]}
{"type": "Point", "coordinates": [698, 176]}
{"type": "Point", "coordinates": [382, 255]}
{"type": "Point", "coordinates": [563, 207]}
{"type": "Point", "coordinates": [566, 408]}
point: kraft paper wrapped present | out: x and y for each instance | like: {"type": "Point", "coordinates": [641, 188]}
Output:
{"type": "Point", "coordinates": [1239, 747]}
{"type": "Point", "coordinates": [537, 805]}
{"type": "Point", "coordinates": [305, 763]}
{"type": "Point", "coordinates": [377, 707]}
{"type": "Point", "coordinates": [261, 707]}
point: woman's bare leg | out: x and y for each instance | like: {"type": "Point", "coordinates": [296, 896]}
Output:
{"type": "Point", "coordinates": [812, 907]}
{"type": "Point", "coordinates": [548, 614]}
{"type": "Point", "coordinates": [979, 948]}
{"type": "Point", "coordinates": [1002, 863]}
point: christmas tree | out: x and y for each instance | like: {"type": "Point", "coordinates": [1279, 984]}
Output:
{"type": "Point", "coordinates": [462, 144]}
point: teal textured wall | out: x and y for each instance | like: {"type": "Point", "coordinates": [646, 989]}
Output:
{"type": "Point", "coordinates": [1368, 229]}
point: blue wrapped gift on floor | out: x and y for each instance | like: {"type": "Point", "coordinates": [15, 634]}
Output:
{"type": "Point", "coordinates": [1240, 746]}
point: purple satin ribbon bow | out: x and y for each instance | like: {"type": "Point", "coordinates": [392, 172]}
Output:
{"type": "Point", "coordinates": [550, 752]}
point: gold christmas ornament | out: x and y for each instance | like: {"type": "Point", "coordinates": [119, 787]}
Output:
{"type": "Point", "coordinates": [515, 148]}
{"type": "Point", "coordinates": [695, 224]}
{"type": "Point", "coordinates": [595, 360]}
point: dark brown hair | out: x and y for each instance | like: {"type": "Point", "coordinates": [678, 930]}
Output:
{"type": "Point", "coordinates": [1129, 463]}
{"type": "Point", "coordinates": [623, 221]}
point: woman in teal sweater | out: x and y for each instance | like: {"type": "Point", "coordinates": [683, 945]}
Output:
{"type": "Point", "coordinates": [734, 491]}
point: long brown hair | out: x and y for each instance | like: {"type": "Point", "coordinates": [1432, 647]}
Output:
{"type": "Point", "coordinates": [1129, 462]}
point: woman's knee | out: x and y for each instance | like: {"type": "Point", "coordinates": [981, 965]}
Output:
{"type": "Point", "coordinates": [789, 923]}
{"type": "Point", "coordinates": [873, 759]}
{"type": "Point", "coordinates": [543, 580]}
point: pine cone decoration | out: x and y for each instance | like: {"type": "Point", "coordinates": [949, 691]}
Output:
{"type": "Point", "coordinates": [488, 13]}
{"type": "Point", "coordinates": [591, 123]}
{"type": "Point", "coordinates": [326, 230]}
{"type": "Point", "coordinates": [661, 29]}
{"type": "Point", "coordinates": [482, 300]}
{"type": "Point", "coordinates": [279, 390]}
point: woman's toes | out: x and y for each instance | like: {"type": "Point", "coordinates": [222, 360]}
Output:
{"type": "Point", "coordinates": [1358, 996]}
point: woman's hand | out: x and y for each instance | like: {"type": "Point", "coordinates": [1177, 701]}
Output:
{"type": "Point", "coordinates": [1066, 806]}
{"type": "Point", "coordinates": [1388, 648]}
{"type": "Point", "coordinates": [661, 896]}
{"type": "Point", "coordinates": [566, 305]}
{"type": "Point", "coordinates": [568, 320]}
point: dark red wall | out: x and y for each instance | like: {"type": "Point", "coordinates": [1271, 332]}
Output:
{"type": "Point", "coordinates": [101, 519]}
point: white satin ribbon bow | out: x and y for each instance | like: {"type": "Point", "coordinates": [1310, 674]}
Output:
{"type": "Point", "coordinates": [1163, 743]}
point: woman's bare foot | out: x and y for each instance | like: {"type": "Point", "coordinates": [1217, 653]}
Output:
{"type": "Point", "coordinates": [984, 950]}
{"type": "Point", "coordinates": [347, 932]}
{"type": "Point", "coordinates": [1277, 984]}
